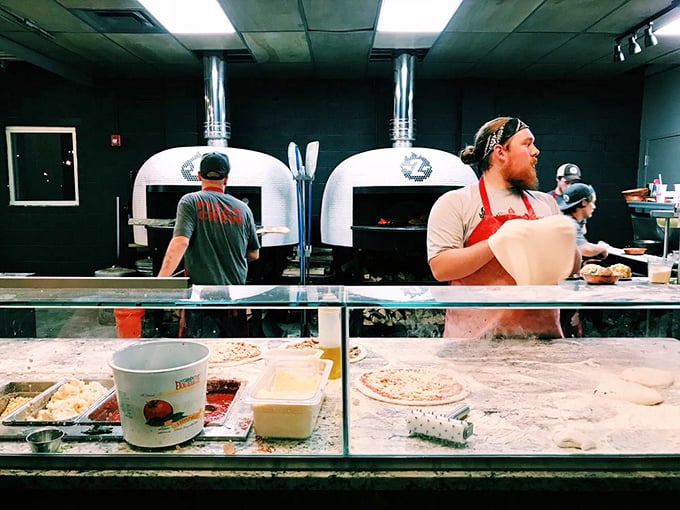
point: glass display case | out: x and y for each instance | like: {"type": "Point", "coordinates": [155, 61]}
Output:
{"type": "Point", "coordinates": [605, 403]}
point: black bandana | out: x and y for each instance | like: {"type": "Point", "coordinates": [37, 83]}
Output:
{"type": "Point", "coordinates": [503, 134]}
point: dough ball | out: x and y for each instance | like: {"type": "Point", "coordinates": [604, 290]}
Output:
{"type": "Point", "coordinates": [571, 438]}
{"type": "Point", "coordinates": [629, 391]}
{"type": "Point", "coordinates": [652, 377]}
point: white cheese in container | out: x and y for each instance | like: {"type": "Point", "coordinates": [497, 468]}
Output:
{"type": "Point", "coordinates": [287, 397]}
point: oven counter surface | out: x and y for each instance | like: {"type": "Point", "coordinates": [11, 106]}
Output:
{"type": "Point", "coordinates": [524, 395]}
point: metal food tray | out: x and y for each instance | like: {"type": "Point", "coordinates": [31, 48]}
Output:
{"type": "Point", "coordinates": [23, 415]}
{"type": "Point", "coordinates": [29, 390]}
{"type": "Point", "coordinates": [96, 415]}
{"type": "Point", "coordinates": [88, 426]}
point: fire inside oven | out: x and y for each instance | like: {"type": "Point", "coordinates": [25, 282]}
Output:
{"type": "Point", "coordinates": [393, 219]}
{"type": "Point", "coordinates": [161, 203]}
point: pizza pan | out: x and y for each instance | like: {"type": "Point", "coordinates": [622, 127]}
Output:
{"type": "Point", "coordinates": [26, 414]}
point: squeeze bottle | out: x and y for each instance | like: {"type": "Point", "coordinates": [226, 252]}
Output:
{"type": "Point", "coordinates": [330, 334]}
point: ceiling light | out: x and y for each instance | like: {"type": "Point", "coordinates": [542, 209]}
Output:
{"type": "Point", "coordinates": [618, 53]}
{"type": "Point", "coordinates": [633, 46]}
{"type": "Point", "coordinates": [672, 28]}
{"type": "Point", "coordinates": [190, 16]}
{"type": "Point", "coordinates": [424, 16]}
{"type": "Point", "coordinates": [650, 38]}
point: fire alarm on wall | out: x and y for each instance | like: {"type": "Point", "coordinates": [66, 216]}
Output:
{"type": "Point", "coordinates": [115, 141]}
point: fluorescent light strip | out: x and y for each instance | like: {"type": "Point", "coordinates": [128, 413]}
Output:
{"type": "Point", "coordinates": [672, 28]}
{"type": "Point", "coordinates": [190, 16]}
{"type": "Point", "coordinates": [410, 16]}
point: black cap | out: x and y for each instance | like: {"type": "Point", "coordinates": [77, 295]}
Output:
{"type": "Point", "coordinates": [573, 195]}
{"type": "Point", "coordinates": [214, 166]}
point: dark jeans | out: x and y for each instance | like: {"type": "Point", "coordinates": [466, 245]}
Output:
{"type": "Point", "coordinates": [571, 323]}
{"type": "Point", "coordinates": [214, 324]}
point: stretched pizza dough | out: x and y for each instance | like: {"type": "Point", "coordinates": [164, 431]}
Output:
{"type": "Point", "coordinates": [411, 386]}
{"type": "Point", "coordinates": [572, 438]}
{"type": "Point", "coordinates": [652, 377]}
{"type": "Point", "coordinates": [536, 252]}
{"type": "Point", "coordinates": [629, 391]}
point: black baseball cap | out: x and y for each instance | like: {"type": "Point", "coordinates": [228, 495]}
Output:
{"type": "Point", "coordinates": [573, 195]}
{"type": "Point", "coordinates": [214, 166]}
{"type": "Point", "coordinates": [569, 171]}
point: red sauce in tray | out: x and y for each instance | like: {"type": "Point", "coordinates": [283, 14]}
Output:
{"type": "Point", "coordinates": [217, 405]}
{"type": "Point", "coordinates": [220, 394]}
{"type": "Point", "coordinates": [107, 411]}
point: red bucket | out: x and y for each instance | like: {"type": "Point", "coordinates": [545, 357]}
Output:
{"type": "Point", "coordinates": [129, 322]}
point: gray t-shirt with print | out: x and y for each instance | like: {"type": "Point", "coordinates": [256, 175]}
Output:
{"type": "Point", "coordinates": [221, 229]}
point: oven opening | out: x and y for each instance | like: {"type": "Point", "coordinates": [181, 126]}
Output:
{"type": "Point", "coordinates": [393, 219]}
{"type": "Point", "coordinates": [162, 199]}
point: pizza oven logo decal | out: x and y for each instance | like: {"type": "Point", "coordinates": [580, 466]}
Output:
{"type": "Point", "coordinates": [189, 170]}
{"type": "Point", "coordinates": [416, 168]}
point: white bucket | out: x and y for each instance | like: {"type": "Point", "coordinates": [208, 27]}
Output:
{"type": "Point", "coordinates": [161, 388]}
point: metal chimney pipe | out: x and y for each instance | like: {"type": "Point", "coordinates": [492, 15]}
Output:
{"type": "Point", "coordinates": [403, 125]}
{"type": "Point", "coordinates": [217, 128]}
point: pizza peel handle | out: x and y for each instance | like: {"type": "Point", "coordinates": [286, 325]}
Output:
{"type": "Point", "coordinates": [293, 159]}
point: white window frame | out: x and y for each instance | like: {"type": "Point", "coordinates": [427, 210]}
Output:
{"type": "Point", "coordinates": [14, 170]}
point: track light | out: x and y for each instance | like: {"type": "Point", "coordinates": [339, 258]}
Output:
{"type": "Point", "coordinates": [646, 28]}
{"type": "Point", "coordinates": [633, 46]}
{"type": "Point", "coordinates": [650, 38]}
{"type": "Point", "coordinates": [618, 53]}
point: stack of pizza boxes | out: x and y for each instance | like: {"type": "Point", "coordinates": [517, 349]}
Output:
{"type": "Point", "coordinates": [287, 396]}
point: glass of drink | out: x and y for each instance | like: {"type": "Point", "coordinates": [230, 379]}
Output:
{"type": "Point", "coordinates": [659, 269]}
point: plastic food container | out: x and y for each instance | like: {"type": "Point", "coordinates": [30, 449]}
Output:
{"type": "Point", "coordinates": [287, 396]}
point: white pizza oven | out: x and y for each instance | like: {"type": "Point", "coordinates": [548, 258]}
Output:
{"type": "Point", "coordinates": [376, 197]}
{"type": "Point", "coordinates": [262, 181]}
{"type": "Point", "coordinates": [380, 199]}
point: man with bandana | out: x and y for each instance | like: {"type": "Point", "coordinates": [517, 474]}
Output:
{"type": "Point", "coordinates": [463, 222]}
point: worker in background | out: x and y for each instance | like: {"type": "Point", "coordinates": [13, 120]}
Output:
{"type": "Point", "coordinates": [567, 173]}
{"type": "Point", "coordinates": [578, 202]}
{"type": "Point", "coordinates": [216, 235]}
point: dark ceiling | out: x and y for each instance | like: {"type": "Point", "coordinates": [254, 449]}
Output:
{"type": "Point", "coordinates": [84, 40]}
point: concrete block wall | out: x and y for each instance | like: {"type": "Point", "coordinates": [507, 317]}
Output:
{"type": "Point", "coordinates": [595, 125]}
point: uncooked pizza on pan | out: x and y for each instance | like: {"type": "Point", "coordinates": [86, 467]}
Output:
{"type": "Point", "coordinates": [411, 386]}
{"type": "Point", "coordinates": [233, 352]}
{"type": "Point", "coordinates": [356, 352]}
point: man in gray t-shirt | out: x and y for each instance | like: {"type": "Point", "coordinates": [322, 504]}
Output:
{"type": "Point", "coordinates": [215, 233]}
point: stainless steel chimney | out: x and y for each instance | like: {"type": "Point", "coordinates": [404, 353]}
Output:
{"type": "Point", "coordinates": [403, 123]}
{"type": "Point", "coordinates": [217, 128]}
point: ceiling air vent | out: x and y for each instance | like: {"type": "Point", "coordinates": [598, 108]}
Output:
{"type": "Point", "coordinates": [135, 21]}
{"type": "Point", "coordinates": [388, 54]}
{"type": "Point", "coordinates": [239, 56]}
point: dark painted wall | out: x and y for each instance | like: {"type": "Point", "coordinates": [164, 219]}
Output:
{"type": "Point", "coordinates": [593, 124]}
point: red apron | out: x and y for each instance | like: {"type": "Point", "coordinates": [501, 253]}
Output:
{"type": "Point", "coordinates": [475, 323]}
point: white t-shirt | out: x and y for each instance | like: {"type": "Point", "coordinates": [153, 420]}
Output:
{"type": "Point", "coordinates": [456, 213]}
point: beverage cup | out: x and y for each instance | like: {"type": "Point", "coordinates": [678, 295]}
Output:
{"type": "Point", "coordinates": [661, 190]}
{"type": "Point", "coordinates": [659, 269]}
